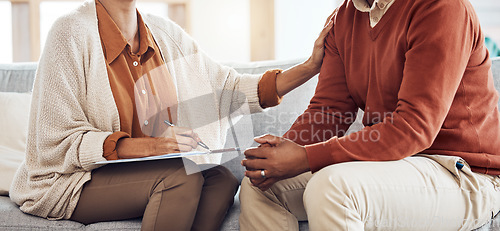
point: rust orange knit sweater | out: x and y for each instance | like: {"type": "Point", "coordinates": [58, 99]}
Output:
{"type": "Point", "coordinates": [422, 75]}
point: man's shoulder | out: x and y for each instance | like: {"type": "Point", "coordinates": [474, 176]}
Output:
{"type": "Point", "coordinates": [448, 4]}
{"type": "Point", "coordinates": [349, 5]}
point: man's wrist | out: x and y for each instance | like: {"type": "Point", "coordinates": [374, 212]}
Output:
{"type": "Point", "coordinates": [304, 160]}
{"type": "Point", "coordinates": [319, 155]}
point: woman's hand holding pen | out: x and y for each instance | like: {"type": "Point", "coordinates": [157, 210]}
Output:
{"type": "Point", "coordinates": [179, 139]}
{"type": "Point", "coordinates": [173, 140]}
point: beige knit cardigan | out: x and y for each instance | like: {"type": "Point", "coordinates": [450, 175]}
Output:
{"type": "Point", "coordinates": [73, 109]}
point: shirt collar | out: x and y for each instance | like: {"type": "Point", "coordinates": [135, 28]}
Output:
{"type": "Point", "coordinates": [112, 38]}
{"type": "Point", "coordinates": [146, 48]}
{"type": "Point", "coordinates": [363, 6]}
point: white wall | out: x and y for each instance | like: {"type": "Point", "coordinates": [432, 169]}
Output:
{"type": "Point", "coordinates": [50, 11]}
{"type": "Point", "coordinates": [155, 8]}
{"type": "Point", "coordinates": [222, 28]}
{"type": "Point", "coordinates": [6, 28]}
{"type": "Point", "coordinates": [488, 12]}
{"type": "Point", "coordinates": [298, 24]}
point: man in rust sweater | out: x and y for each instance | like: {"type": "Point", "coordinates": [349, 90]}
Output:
{"type": "Point", "coordinates": [429, 155]}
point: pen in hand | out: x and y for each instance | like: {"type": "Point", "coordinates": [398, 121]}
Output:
{"type": "Point", "coordinates": [203, 145]}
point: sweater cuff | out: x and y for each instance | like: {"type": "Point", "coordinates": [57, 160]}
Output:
{"type": "Point", "coordinates": [319, 155]}
{"type": "Point", "coordinates": [109, 146]}
{"type": "Point", "coordinates": [268, 93]}
{"type": "Point", "coordinates": [248, 86]}
{"type": "Point", "coordinates": [91, 151]}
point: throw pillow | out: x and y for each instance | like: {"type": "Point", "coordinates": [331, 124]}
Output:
{"type": "Point", "coordinates": [14, 117]}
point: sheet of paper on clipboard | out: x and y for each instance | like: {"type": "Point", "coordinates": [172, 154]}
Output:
{"type": "Point", "coordinates": [172, 155]}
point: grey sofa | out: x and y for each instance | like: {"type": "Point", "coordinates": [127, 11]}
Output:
{"type": "Point", "coordinates": [19, 78]}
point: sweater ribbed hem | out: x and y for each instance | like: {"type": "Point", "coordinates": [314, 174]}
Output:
{"type": "Point", "coordinates": [248, 85]}
{"type": "Point", "coordinates": [91, 149]}
{"type": "Point", "coordinates": [267, 90]}
{"type": "Point", "coordinates": [319, 155]}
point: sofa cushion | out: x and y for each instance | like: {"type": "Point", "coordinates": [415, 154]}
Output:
{"type": "Point", "coordinates": [14, 123]}
{"type": "Point", "coordinates": [495, 68]}
{"type": "Point", "coordinates": [17, 77]}
{"type": "Point", "coordinates": [133, 224]}
{"type": "Point", "coordinates": [13, 219]}
{"type": "Point", "coordinates": [9, 162]}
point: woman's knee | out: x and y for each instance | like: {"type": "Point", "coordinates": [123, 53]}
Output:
{"type": "Point", "coordinates": [193, 180]}
{"type": "Point", "coordinates": [222, 178]}
{"type": "Point", "coordinates": [188, 183]}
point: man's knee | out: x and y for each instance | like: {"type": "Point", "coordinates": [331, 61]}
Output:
{"type": "Point", "coordinates": [245, 183]}
{"type": "Point", "coordinates": [246, 187]}
{"type": "Point", "coordinates": [332, 196]}
{"type": "Point", "coordinates": [248, 192]}
{"type": "Point", "coordinates": [334, 182]}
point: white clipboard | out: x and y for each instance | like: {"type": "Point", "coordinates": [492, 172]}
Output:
{"type": "Point", "coordinates": [171, 156]}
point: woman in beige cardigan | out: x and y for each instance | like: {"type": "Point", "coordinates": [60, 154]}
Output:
{"type": "Point", "coordinates": [75, 112]}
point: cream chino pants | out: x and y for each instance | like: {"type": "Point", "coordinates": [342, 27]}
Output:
{"type": "Point", "coordinates": [423, 192]}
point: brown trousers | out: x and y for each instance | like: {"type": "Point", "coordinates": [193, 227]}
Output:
{"type": "Point", "coordinates": [160, 192]}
